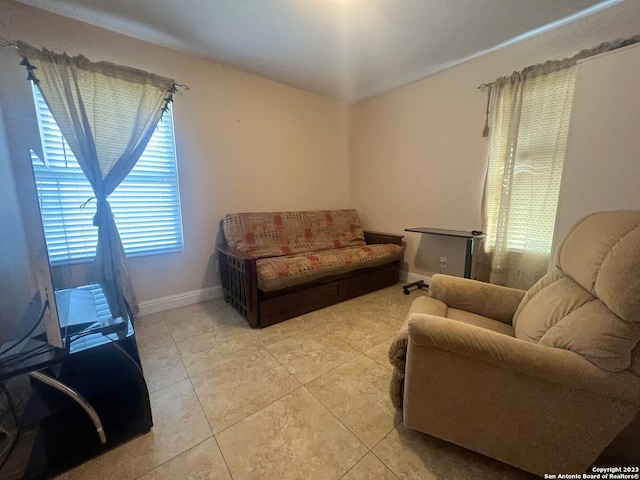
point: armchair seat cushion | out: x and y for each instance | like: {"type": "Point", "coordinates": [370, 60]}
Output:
{"type": "Point", "coordinates": [275, 273]}
{"type": "Point", "coordinates": [480, 321]}
{"type": "Point", "coordinates": [430, 306]}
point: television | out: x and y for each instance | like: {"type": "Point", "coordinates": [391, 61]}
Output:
{"type": "Point", "coordinates": [26, 288]}
{"type": "Point", "coordinates": [28, 306]}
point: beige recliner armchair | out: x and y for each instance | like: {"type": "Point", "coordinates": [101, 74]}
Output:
{"type": "Point", "coordinates": [542, 380]}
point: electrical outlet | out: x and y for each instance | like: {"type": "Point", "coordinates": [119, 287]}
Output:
{"type": "Point", "coordinates": [443, 262]}
{"type": "Point", "coordinates": [217, 265]}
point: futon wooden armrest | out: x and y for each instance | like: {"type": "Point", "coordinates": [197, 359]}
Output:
{"type": "Point", "coordinates": [381, 237]}
{"type": "Point", "coordinates": [239, 281]}
{"type": "Point", "coordinates": [233, 252]}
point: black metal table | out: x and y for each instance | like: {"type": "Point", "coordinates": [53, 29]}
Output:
{"type": "Point", "coordinates": [473, 238]}
{"type": "Point", "coordinates": [87, 398]}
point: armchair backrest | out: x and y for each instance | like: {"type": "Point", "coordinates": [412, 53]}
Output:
{"type": "Point", "coordinates": [590, 303]}
{"type": "Point", "coordinates": [602, 254]}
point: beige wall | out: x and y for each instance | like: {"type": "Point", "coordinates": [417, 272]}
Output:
{"type": "Point", "coordinates": [410, 157]}
{"type": "Point", "coordinates": [417, 157]}
{"type": "Point", "coordinates": [242, 142]}
{"type": "Point", "coordinates": [602, 166]}
{"type": "Point", "coordinates": [17, 279]}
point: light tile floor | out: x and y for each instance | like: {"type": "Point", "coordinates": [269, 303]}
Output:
{"type": "Point", "coordinates": [304, 399]}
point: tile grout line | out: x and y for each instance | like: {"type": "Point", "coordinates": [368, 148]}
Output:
{"type": "Point", "coordinates": [226, 464]}
{"type": "Point", "coordinates": [181, 453]}
{"type": "Point", "coordinates": [368, 450]}
{"type": "Point", "coordinates": [213, 435]}
{"type": "Point", "coordinates": [382, 461]}
{"type": "Point", "coordinates": [263, 346]}
{"type": "Point", "coordinates": [255, 411]}
{"type": "Point", "coordinates": [173, 342]}
{"type": "Point", "coordinates": [301, 385]}
{"type": "Point", "coordinates": [193, 387]}
{"type": "Point", "coordinates": [201, 408]}
{"type": "Point", "coordinates": [341, 422]}
{"type": "Point", "coordinates": [189, 375]}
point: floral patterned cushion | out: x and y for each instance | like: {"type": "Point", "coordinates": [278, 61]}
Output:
{"type": "Point", "coordinates": [280, 272]}
{"type": "Point", "coordinates": [270, 234]}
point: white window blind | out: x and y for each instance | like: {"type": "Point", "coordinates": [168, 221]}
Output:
{"type": "Point", "coordinates": [146, 205]}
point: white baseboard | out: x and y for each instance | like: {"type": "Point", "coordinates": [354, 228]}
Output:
{"type": "Point", "coordinates": [178, 300]}
{"type": "Point", "coordinates": [408, 277]}
{"type": "Point", "coordinates": [161, 304]}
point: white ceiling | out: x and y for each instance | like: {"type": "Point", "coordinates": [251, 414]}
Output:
{"type": "Point", "coordinates": [346, 49]}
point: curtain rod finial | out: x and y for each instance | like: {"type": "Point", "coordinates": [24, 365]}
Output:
{"type": "Point", "coordinates": [8, 43]}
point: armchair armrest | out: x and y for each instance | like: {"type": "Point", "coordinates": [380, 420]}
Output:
{"type": "Point", "coordinates": [493, 301]}
{"type": "Point", "coordinates": [550, 364]}
{"type": "Point", "coordinates": [380, 237]}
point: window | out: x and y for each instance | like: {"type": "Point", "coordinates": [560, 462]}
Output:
{"type": "Point", "coordinates": [146, 205]}
{"type": "Point", "coordinates": [529, 122]}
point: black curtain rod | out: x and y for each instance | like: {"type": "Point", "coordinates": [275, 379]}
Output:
{"type": "Point", "coordinates": [7, 43]}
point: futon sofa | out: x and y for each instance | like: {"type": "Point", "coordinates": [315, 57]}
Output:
{"type": "Point", "coordinates": [544, 379]}
{"type": "Point", "coordinates": [279, 265]}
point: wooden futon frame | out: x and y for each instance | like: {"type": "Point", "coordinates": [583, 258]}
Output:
{"type": "Point", "coordinates": [261, 309]}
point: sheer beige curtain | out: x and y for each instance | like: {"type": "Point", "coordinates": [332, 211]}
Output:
{"type": "Point", "coordinates": [107, 114]}
{"type": "Point", "coordinates": [529, 124]}
{"type": "Point", "coordinates": [529, 120]}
